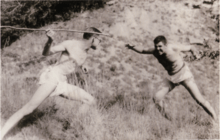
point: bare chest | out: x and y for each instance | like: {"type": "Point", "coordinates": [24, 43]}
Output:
{"type": "Point", "coordinates": [76, 54]}
{"type": "Point", "coordinates": [169, 58]}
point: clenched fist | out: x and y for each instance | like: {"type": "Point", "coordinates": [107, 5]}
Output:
{"type": "Point", "coordinates": [50, 33]}
{"type": "Point", "coordinates": [129, 46]}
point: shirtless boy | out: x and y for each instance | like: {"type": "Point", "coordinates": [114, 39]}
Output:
{"type": "Point", "coordinates": [53, 80]}
{"type": "Point", "coordinates": [178, 72]}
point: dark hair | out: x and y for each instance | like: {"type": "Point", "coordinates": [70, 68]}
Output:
{"type": "Point", "coordinates": [89, 35]}
{"type": "Point", "coordinates": [160, 38]}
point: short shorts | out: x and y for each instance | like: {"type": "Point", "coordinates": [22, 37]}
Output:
{"type": "Point", "coordinates": [180, 76]}
{"type": "Point", "coordinates": [174, 80]}
{"type": "Point", "coordinates": [52, 75]}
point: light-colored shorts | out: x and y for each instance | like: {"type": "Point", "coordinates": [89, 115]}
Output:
{"type": "Point", "coordinates": [183, 74]}
{"type": "Point", "coordinates": [51, 75]}
{"type": "Point", "coordinates": [173, 80]}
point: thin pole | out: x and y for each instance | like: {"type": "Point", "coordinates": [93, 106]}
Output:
{"type": "Point", "coordinates": [54, 30]}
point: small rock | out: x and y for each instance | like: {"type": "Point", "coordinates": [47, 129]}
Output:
{"type": "Point", "coordinates": [186, 4]}
{"type": "Point", "coordinates": [111, 2]}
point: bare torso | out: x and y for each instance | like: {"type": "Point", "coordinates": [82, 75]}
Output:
{"type": "Point", "coordinates": [74, 56]}
{"type": "Point", "coordinates": [171, 60]}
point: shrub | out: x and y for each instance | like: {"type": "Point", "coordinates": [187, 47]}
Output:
{"type": "Point", "coordinates": [35, 14]}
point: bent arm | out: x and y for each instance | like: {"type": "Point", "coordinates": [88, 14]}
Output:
{"type": "Point", "coordinates": [50, 34]}
{"type": "Point", "coordinates": [186, 48]}
{"type": "Point", "coordinates": [48, 50]}
{"type": "Point", "coordinates": [47, 46]}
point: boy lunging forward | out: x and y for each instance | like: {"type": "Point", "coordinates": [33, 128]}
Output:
{"type": "Point", "coordinates": [53, 80]}
{"type": "Point", "coordinates": [169, 56]}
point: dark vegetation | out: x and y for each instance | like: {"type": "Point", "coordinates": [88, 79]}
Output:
{"type": "Point", "coordinates": [35, 14]}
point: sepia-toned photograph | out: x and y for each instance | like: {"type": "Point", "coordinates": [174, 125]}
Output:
{"type": "Point", "coordinates": [110, 69]}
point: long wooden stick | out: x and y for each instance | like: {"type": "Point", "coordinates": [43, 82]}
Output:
{"type": "Point", "coordinates": [54, 30]}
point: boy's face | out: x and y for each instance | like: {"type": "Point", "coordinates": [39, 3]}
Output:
{"type": "Point", "coordinates": [160, 47]}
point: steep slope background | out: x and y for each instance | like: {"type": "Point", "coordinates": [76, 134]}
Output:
{"type": "Point", "coordinates": [122, 81]}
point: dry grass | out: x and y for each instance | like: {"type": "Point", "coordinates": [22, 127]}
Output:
{"type": "Point", "coordinates": [122, 81]}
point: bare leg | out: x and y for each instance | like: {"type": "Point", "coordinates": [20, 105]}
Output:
{"type": "Point", "coordinates": [40, 95]}
{"type": "Point", "coordinates": [76, 93]}
{"type": "Point", "coordinates": [159, 96]}
{"type": "Point", "coordinates": [191, 86]}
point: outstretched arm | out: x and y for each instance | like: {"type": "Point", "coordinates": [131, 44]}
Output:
{"type": "Point", "coordinates": [186, 48]}
{"type": "Point", "coordinates": [140, 49]}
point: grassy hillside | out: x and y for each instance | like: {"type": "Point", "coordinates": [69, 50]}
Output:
{"type": "Point", "coordinates": [122, 81]}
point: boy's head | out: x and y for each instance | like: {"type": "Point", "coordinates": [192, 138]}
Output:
{"type": "Point", "coordinates": [89, 35]}
{"type": "Point", "coordinates": [160, 38]}
{"type": "Point", "coordinates": [95, 40]}
{"type": "Point", "coordinates": [160, 44]}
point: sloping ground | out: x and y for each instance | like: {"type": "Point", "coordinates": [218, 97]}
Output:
{"type": "Point", "coordinates": [122, 81]}
{"type": "Point", "coordinates": [139, 23]}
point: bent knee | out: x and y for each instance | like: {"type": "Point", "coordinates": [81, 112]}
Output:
{"type": "Point", "coordinates": [160, 94]}
{"type": "Point", "coordinates": [28, 109]}
{"type": "Point", "coordinates": [87, 98]}
{"type": "Point", "coordinates": [91, 100]}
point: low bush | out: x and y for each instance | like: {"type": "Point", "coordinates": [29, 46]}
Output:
{"type": "Point", "coordinates": [35, 14]}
